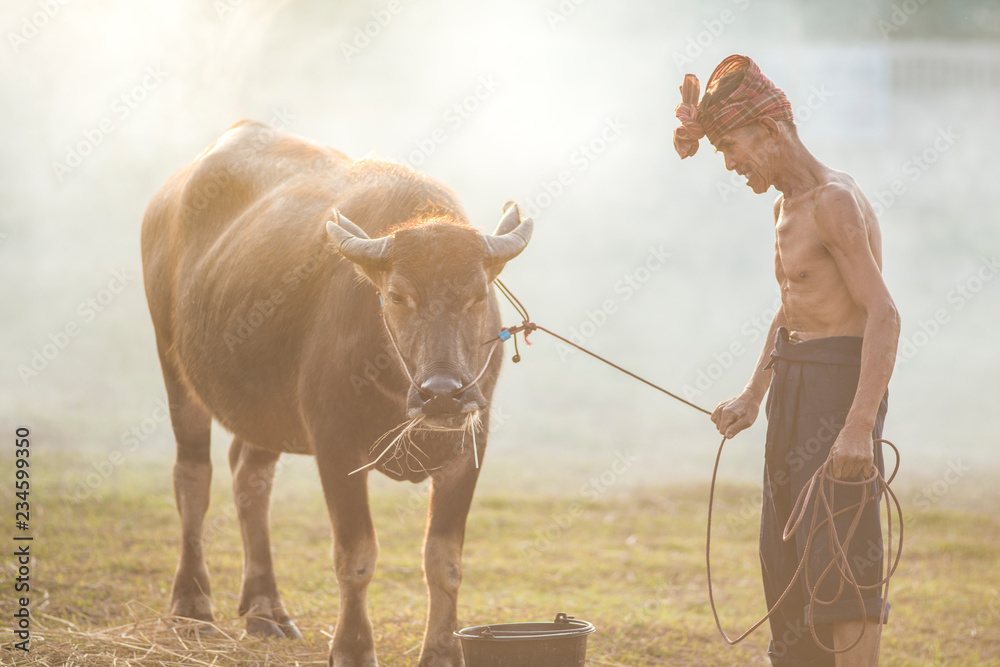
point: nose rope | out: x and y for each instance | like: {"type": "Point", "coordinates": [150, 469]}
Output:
{"type": "Point", "coordinates": [399, 354]}
{"type": "Point", "coordinates": [527, 326]}
{"type": "Point", "coordinates": [479, 377]}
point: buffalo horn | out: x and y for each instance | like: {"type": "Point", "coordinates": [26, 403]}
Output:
{"type": "Point", "coordinates": [354, 244]}
{"type": "Point", "coordinates": [510, 237]}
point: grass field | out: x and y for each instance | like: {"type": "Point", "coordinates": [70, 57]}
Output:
{"type": "Point", "coordinates": [632, 564]}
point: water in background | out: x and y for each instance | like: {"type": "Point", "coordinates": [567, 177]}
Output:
{"type": "Point", "coordinates": [565, 106]}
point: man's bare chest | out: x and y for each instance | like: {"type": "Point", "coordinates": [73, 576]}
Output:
{"type": "Point", "coordinates": [799, 250]}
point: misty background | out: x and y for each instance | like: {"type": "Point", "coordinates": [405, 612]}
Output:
{"type": "Point", "coordinates": [565, 106]}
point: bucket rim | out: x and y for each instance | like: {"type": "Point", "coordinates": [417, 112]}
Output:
{"type": "Point", "coordinates": [507, 631]}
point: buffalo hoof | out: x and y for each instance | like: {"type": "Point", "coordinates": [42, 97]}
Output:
{"type": "Point", "coordinates": [191, 604]}
{"type": "Point", "coordinates": [343, 660]}
{"type": "Point", "coordinates": [447, 658]}
{"type": "Point", "coordinates": [267, 618]}
{"type": "Point", "coordinates": [189, 610]}
{"type": "Point", "coordinates": [198, 627]}
{"type": "Point", "coordinates": [262, 627]}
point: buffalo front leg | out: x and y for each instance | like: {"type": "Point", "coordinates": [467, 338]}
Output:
{"type": "Point", "coordinates": [355, 552]}
{"type": "Point", "coordinates": [450, 498]}
{"type": "Point", "coordinates": [253, 478]}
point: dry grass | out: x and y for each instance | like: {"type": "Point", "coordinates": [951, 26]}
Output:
{"type": "Point", "coordinates": [155, 640]}
{"type": "Point", "coordinates": [632, 565]}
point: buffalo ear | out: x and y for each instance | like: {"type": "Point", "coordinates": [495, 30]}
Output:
{"type": "Point", "coordinates": [370, 256]}
{"type": "Point", "coordinates": [509, 239]}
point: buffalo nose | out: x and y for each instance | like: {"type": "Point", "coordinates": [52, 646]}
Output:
{"type": "Point", "coordinates": [440, 386]}
{"type": "Point", "coordinates": [440, 394]}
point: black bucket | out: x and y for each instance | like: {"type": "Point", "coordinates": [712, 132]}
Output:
{"type": "Point", "coordinates": [562, 643]}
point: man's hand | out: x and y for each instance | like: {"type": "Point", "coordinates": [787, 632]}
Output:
{"type": "Point", "coordinates": [736, 414]}
{"type": "Point", "coordinates": [853, 453]}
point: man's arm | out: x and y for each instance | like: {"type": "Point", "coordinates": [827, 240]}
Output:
{"type": "Point", "coordinates": [739, 413]}
{"type": "Point", "coordinates": [842, 229]}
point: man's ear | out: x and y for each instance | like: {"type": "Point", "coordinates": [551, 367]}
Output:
{"type": "Point", "coordinates": [769, 126]}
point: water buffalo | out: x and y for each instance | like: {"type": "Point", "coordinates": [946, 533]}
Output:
{"type": "Point", "coordinates": [313, 304]}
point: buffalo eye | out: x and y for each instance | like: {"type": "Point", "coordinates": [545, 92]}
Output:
{"type": "Point", "coordinates": [397, 298]}
{"type": "Point", "coordinates": [477, 300]}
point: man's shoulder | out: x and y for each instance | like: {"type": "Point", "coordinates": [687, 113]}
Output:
{"type": "Point", "coordinates": [839, 187]}
{"type": "Point", "coordinates": [837, 198]}
{"type": "Point", "coordinates": [840, 211]}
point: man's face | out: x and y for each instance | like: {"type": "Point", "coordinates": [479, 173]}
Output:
{"type": "Point", "coordinates": [748, 151]}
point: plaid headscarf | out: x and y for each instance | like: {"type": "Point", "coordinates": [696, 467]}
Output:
{"type": "Point", "coordinates": [754, 97]}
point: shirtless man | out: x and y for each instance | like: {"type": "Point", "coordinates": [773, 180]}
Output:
{"type": "Point", "coordinates": [827, 359]}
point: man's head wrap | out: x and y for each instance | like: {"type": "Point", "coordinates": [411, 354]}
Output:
{"type": "Point", "coordinates": [720, 111]}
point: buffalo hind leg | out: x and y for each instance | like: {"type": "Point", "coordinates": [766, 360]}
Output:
{"type": "Point", "coordinates": [191, 596]}
{"type": "Point", "coordinates": [450, 499]}
{"type": "Point", "coordinates": [355, 552]}
{"type": "Point", "coordinates": [253, 478]}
